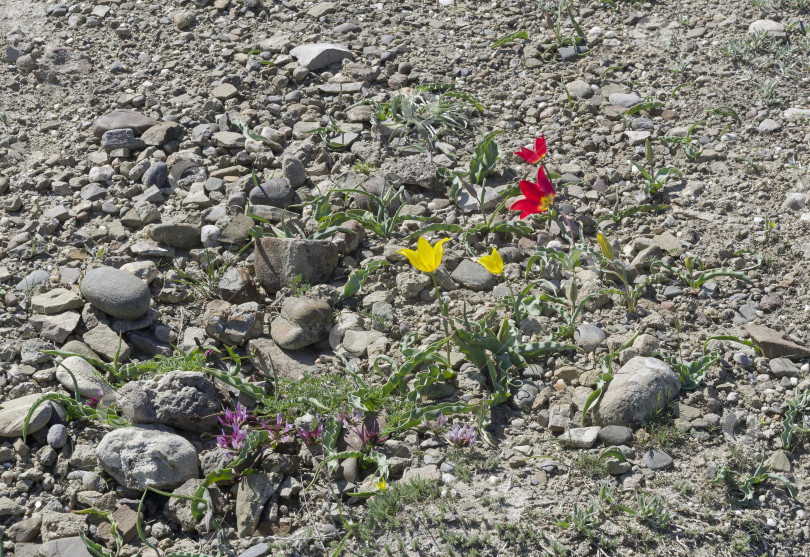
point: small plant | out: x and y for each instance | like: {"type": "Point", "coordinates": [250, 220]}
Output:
{"type": "Point", "coordinates": [582, 519]}
{"type": "Point", "coordinates": [429, 111]}
{"type": "Point", "coordinates": [371, 436]}
{"type": "Point", "coordinates": [652, 511]}
{"type": "Point", "coordinates": [299, 286]}
{"type": "Point", "coordinates": [362, 167]}
{"type": "Point", "coordinates": [797, 419]}
{"type": "Point", "coordinates": [620, 272]}
{"type": "Point", "coordinates": [654, 180]}
{"type": "Point", "coordinates": [437, 427]}
{"type": "Point", "coordinates": [312, 435]}
{"type": "Point", "coordinates": [206, 287]}
{"type": "Point", "coordinates": [741, 489]}
{"type": "Point", "coordinates": [695, 274]}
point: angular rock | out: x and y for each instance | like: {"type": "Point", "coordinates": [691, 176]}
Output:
{"type": "Point", "coordinates": [56, 301]}
{"type": "Point", "coordinates": [161, 133]}
{"type": "Point", "coordinates": [774, 345]}
{"type": "Point", "coordinates": [177, 235]}
{"type": "Point", "coordinates": [138, 457]}
{"type": "Point", "coordinates": [279, 260]}
{"type": "Point", "coordinates": [121, 119]}
{"type": "Point", "coordinates": [640, 387]}
{"type": "Point", "coordinates": [233, 324]}
{"type": "Point", "coordinates": [288, 364]}
{"type": "Point", "coordinates": [182, 399]}
{"type": "Point", "coordinates": [56, 327]}
{"type": "Point", "coordinates": [581, 437]}
{"type": "Point", "coordinates": [62, 530]}
{"type": "Point", "coordinates": [121, 139]}
{"type": "Point", "coordinates": [107, 343]}
{"type": "Point", "coordinates": [253, 493]}
{"type": "Point", "coordinates": [116, 292]}
{"type": "Point", "coordinates": [474, 276]}
{"type": "Point", "coordinates": [319, 55]}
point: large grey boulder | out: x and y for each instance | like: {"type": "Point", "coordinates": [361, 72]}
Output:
{"type": "Point", "coordinates": [141, 457]}
{"type": "Point", "coordinates": [182, 399]}
{"type": "Point", "coordinates": [116, 292]}
{"type": "Point", "coordinates": [640, 387]}
{"type": "Point", "coordinates": [279, 260]}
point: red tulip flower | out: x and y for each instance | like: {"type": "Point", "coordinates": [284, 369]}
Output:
{"type": "Point", "coordinates": [533, 157]}
{"type": "Point", "coordinates": [538, 197]}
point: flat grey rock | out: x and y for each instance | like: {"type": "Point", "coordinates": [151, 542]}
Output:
{"type": "Point", "coordinates": [319, 55]}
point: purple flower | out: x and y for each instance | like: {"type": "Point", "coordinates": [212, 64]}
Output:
{"type": "Point", "coordinates": [237, 423]}
{"type": "Point", "coordinates": [279, 431]}
{"type": "Point", "coordinates": [348, 418]}
{"type": "Point", "coordinates": [436, 428]}
{"type": "Point", "coordinates": [232, 443]}
{"type": "Point", "coordinates": [371, 436]}
{"type": "Point", "coordinates": [463, 436]}
{"type": "Point", "coordinates": [311, 435]}
{"type": "Point", "coordinates": [95, 400]}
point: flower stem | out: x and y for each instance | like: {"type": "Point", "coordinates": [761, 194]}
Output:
{"type": "Point", "coordinates": [444, 313]}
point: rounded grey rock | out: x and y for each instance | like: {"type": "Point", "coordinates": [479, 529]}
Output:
{"type": "Point", "coordinates": [57, 436]}
{"type": "Point", "coordinates": [116, 293]}
{"type": "Point", "coordinates": [177, 235]}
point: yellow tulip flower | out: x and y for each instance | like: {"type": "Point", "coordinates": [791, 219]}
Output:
{"type": "Point", "coordinates": [425, 258]}
{"type": "Point", "coordinates": [492, 263]}
{"type": "Point", "coordinates": [381, 485]}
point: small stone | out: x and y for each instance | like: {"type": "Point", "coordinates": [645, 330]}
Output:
{"type": "Point", "coordinates": [624, 100]}
{"type": "Point", "coordinates": [769, 126]}
{"type": "Point", "coordinates": [656, 460]}
{"type": "Point", "coordinates": [224, 92]}
{"type": "Point", "coordinates": [57, 436]}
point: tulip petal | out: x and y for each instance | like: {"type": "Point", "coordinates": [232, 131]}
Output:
{"type": "Point", "coordinates": [544, 185]}
{"type": "Point", "coordinates": [531, 190]}
{"type": "Point", "coordinates": [438, 253]}
{"type": "Point", "coordinates": [540, 146]}
{"type": "Point", "coordinates": [527, 206]}
{"type": "Point", "coordinates": [425, 253]}
{"type": "Point", "coordinates": [528, 155]}
{"type": "Point", "coordinates": [413, 258]}
{"type": "Point", "coordinates": [492, 263]}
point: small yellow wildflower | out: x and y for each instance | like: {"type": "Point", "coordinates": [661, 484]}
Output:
{"type": "Point", "coordinates": [426, 258]}
{"type": "Point", "coordinates": [492, 263]}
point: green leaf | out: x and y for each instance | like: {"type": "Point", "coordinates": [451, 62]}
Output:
{"type": "Point", "coordinates": [359, 276]}
{"type": "Point", "coordinates": [506, 39]}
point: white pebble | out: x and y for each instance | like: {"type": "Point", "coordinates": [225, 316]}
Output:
{"type": "Point", "coordinates": [771, 523]}
{"type": "Point", "coordinates": [794, 381]}
{"type": "Point", "coordinates": [801, 515]}
{"type": "Point", "coordinates": [732, 397]}
{"type": "Point", "coordinates": [209, 235]}
{"type": "Point", "coordinates": [806, 367]}
{"type": "Point", "coordinates": [493, 480]}
{"type": "Point", "coordinates": [101, 174]}
{"type": "Point", "coordinates": [253, 146]}
{"type": "Point", "coordinates": [444, 494]}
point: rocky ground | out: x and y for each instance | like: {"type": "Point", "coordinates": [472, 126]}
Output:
{"type": "Point", "coordinates": [171, 176]}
